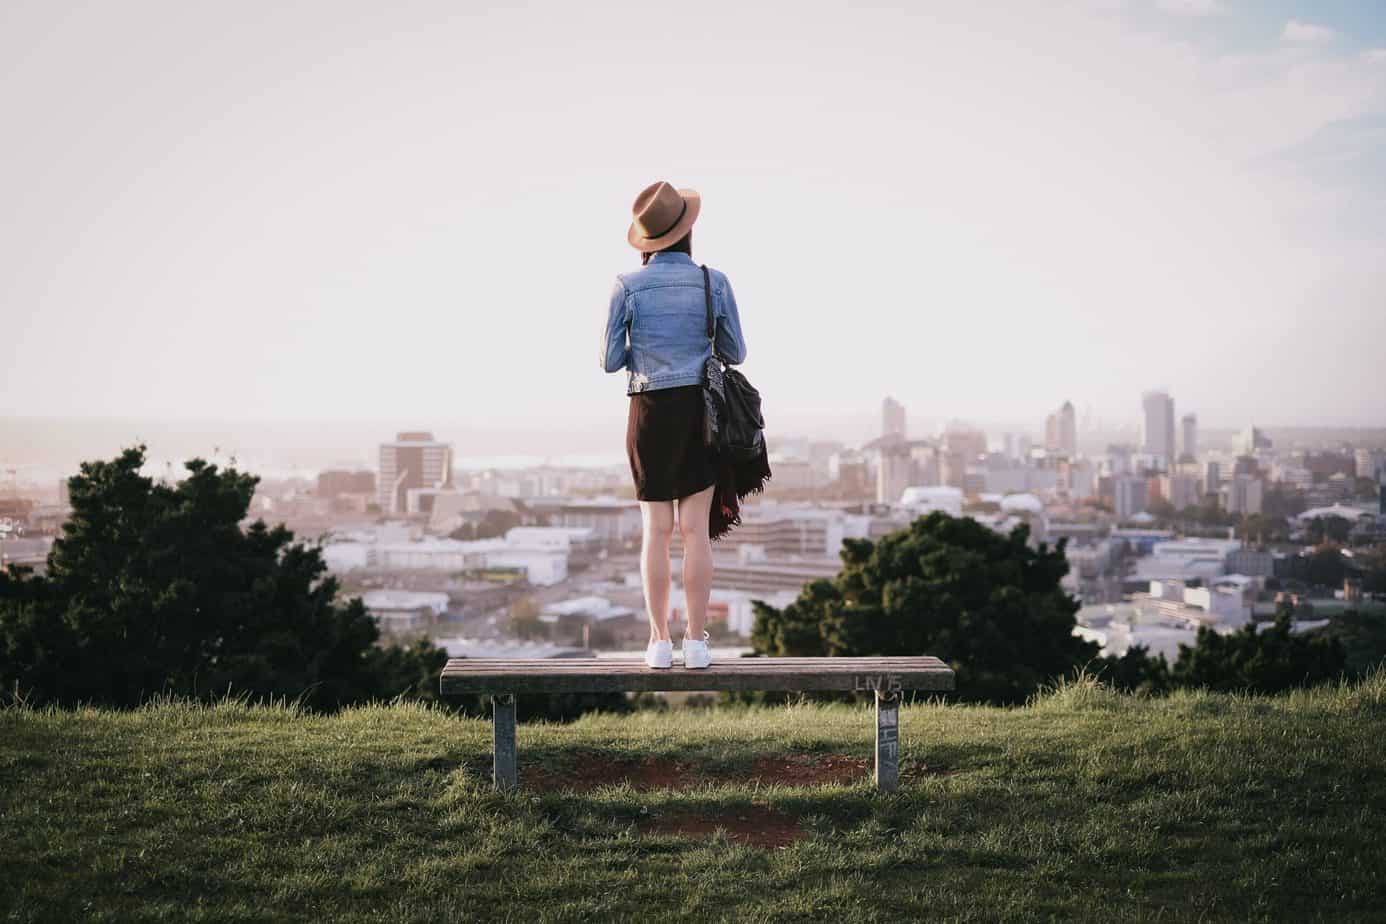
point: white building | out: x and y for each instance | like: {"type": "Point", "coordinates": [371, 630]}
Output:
{"type": "Point", "coordinates": [541, 564]}
{"type": "Point", "coordinates": [1186, 559]}
{"type": "Point", "coordinates": [734, 607]}
{"type": "Point", "coordinates": [592, 608]}
{"type": "Point", "coordinates": [1349, 513]}
{"type": "Point", "coordinates": [557, 538]}
{"type": "Point", "coordinates": [795, 529]}
{"type": "Point", "coordinates": [925, 499]}
{"type": "Point", "coordinates": [894, 467]}
{"type": "Point", "coordinates": [1168, 616]}
{"type": "Point", "coordinates": [341, 557]}
{"type": "Point", "coordinates": [611, 519]}
{"type": "Point", "coordinates": [399, 610]}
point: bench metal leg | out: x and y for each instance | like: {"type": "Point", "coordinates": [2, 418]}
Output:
{"type": "Point", "coordinates": [887, 741]}
{"type": "Point", "coordinates": [503, 713]}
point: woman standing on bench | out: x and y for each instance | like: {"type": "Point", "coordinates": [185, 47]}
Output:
{"type": "Point", "coordinates": [656, 329]}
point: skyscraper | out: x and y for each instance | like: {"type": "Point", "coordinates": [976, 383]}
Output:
{"type": "Point", "coordinates": [892, 473]}
{"type": "Point", "coordinates": [892, 418]}
{"type": "Point", "coordinates": [413, 460]}
{"type": "Point", "coordinates": [1132, 497]}
{"type": "Point", "coordinates": [1253, 439]}
{"type": "Point", "coordinates": [1158, 430]}
{"type": "Point", "coordinates": [1190, 427]}
{"type": "Point", "coordinates": [1061, 431]}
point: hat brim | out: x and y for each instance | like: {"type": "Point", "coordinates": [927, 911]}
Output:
{"type": "Point", "coordinates": [690, 215]}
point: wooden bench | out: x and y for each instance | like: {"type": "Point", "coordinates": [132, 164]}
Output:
{"type": "Point", "coordinates": [886, 677]}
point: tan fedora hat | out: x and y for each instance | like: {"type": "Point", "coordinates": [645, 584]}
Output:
{"type": "Point", "coordinates": [662, 215]}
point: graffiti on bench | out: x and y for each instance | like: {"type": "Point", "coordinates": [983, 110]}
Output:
{"type": "Point", "coordinates": [881, 683]}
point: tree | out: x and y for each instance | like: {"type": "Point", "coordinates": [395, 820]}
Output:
{"type": "Point", "coordinates": [524, 620]}
{"type": "Point", "coordinates": [1134, 672]}
{"type": "Point", "coordinates": [1326, 567]}
{"type": "Point", "coordinates": [1279, 503]}
{"type": "Point", "coordinates": [1363, 637]}
{"type": "Point", "coordinates": [988, 604]}
{"type": "Point", "coordinates": [156, 588]}
{"type": "Point", "coordinates": [1267, 661]}
{"type": "Point", "coordinates": [1162, 510]}
{"type": "Point", "coordinates": [1331, 528]}
{"type": "Point", "coordinates": [493, 523]}
{"type": "Point", "coordinates": [1372, 564]}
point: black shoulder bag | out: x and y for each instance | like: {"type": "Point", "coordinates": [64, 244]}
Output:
{"type": "Point", "coordinates": [734, 422]}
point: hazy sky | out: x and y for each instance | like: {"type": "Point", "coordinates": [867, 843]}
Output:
{"type": "Point", "coordinates": [414, 210]}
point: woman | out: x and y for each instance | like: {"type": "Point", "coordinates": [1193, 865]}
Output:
{"type": "Point", "coordinates": [656, 329]}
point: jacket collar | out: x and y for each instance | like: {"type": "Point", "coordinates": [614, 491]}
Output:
{"type": "Point", "coordinates": [671, 257]}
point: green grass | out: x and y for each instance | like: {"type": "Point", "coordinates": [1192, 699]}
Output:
{"type": "Point", "coordinates": [1085, 805]}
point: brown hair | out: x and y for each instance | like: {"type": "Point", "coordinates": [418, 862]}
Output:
{"type": "Point", "coordinates": [682, 245]}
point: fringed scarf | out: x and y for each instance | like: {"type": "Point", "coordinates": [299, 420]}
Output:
{"type": "Point", "coordinates": [735, 480]}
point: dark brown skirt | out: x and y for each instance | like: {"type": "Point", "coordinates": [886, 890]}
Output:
{"type": "Point", "coordinates": [664, 441]}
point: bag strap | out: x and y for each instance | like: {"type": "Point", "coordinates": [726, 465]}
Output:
{"type": "Point", "coordinates": [707, 300]}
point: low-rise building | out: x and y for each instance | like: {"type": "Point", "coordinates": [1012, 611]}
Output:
{"type": "Point", "coordinates": [590, 608]}
{"type": "Point", "coordinates": [1251, 562]}
{"type": "Point", "coordinates": [611, 519]}
{"type": "Point", "coordinates": [1185, 559]}
{"type": "Point", "coordinates": [404, 610]}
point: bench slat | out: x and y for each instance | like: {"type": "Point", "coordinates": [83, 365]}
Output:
{"type": "Point", "coordinates": [602, 675]}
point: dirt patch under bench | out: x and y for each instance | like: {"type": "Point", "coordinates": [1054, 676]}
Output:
{"type": "Point", "coordinates": [756, 825]}
{"type": "Point", "coordinates": [590, 770]}
{"type": "Point", "coordinates": [805, 770]}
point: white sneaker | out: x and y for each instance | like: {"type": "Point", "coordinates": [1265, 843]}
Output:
{"type": "Point", "coordinates": [660, 654]}
{"type": "Point", "coordinates": [695, 653]}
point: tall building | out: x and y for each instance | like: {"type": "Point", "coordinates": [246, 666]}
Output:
{"type": "Point", "coordinates": [1243, 494]}
{"type": "Point", "coordinates": [1180, 490]}
{"type": "Point", "coordinates": [1189, 424]}
{"type": "Point", "coordinates": [413, 460]}
{"type": "Point", "coordinates": [1075, 478]}
{"type": "Point", "coordinates": [892, 418]}
{"type": "Point", "coordinates": [1130, 496]}
{"type": "Point", "coordinates": [1061, 431]}
{"type": "Point", "coordinates": [1158, 429]}
{"type": "Point", "coordinates": [1367, 461]}
{"type": "Point", "coordinates": [893, 473]}
{"type": "Point", "coordinates": [1251, 440]}
{"type": "Point", "coordinates": [965, 439]}
{"type": "Point", "coordinates": [1212, 478]}
{"type": "Point", "coordinates": [1068, 429]}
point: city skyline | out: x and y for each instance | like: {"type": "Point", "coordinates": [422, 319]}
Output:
{"type": "Point", "coordinates": [214, 230]}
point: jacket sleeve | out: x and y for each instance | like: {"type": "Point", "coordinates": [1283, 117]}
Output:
{"type": "Point", "coordinates": [730, 342]}
{"type": "Point", "coordinates": [615, 353]}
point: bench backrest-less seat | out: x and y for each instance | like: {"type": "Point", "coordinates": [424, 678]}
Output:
{"type": "Point", "coordinates": [504, 679]}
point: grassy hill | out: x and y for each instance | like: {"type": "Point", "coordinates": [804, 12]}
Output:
{"type": "Point", "coordinates": [1085, 804]}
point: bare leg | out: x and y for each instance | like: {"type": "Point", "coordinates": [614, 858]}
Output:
{"type": "Point", "coordinates": [694, 511]}
{"type": "Point", "coordinates": [657, 519]}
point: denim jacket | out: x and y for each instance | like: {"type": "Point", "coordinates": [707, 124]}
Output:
{"type": "Point", "coordinates": [656, 327]}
